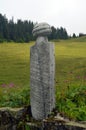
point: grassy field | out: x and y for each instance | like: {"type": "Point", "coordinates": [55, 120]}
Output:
{"type": "Point", "coordinates": [14, 64]}
{"type": "Point", "coordinates": [70, 64]}
{"type": "Point", "coordinates": [70, 56]}
{"type": "Point", "coordinates": [71, 78]}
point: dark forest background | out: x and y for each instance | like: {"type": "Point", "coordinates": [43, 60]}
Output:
{"type": "Point", "coordinates": [21, 31]}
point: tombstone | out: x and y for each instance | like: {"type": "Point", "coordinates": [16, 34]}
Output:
{"type": "Point", "coordinates": [42, 71]}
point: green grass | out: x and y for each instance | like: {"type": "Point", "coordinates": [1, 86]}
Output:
{"type": "Point", "coordinates": [14, 64]}
{"type": "Point", "coordinates": [70, 57]}
{"type": "Point", "coordinates": [70, 63]}
{"type": "Point", "coordinates": [71, 78]}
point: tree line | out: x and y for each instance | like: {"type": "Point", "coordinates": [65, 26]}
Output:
{"type": "Point", "coordinates": [17, 32]}
{"type": "Point", "coordinates": [21, 31]}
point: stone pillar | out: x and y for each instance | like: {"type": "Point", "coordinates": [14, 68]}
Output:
{"type": "Point", "coordinates": [42, 71]}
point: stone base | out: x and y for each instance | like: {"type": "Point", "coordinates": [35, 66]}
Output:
{"type": "Point", "coordinates": [10, 119]}
{"type": "Point", "coordinates": [56, 125]}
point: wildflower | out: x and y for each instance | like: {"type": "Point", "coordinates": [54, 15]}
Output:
{"type": "Point", "coordinates": [4, 85]}
{"type": "Point", "coordinates": [11, 85]}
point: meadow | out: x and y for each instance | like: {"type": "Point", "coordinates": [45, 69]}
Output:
{"type": "Point", "coordinates": [70, 77]}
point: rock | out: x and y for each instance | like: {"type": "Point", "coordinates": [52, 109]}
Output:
{"type": "Point", "coordinates": [42, 72]}
{"type": "Point", "coordinates": [9, 122]}
{"type": "Point", "coordinates": [10, 117]}
{"type": "Point", "coordinates": [41, 29]}
{"type": "Point", "coordinates": [56, 124]}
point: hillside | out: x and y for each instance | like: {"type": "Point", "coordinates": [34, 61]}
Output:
{"type": "Point", "coordinates": [70, 77]}
{"type": "Point", "coordinates": [79, 39]}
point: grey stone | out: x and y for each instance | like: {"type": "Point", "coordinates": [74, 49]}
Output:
{"type": "Point", "coordinates": [41, 29]}
{"type": "Point", "coordinates": [42, 71]}
{"type": "Point", "coordinates": [56, 124]}
{"type": "Point", "coordinates": [10, 118]}
{"type": "Point", "coordinates": [8, 121]}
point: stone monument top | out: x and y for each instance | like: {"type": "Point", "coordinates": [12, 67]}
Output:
{"type": "Point", "coordinates": [42, 29]}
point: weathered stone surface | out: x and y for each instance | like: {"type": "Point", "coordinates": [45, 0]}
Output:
{"type": "Point", "coordinates": [9, 122]}
{"type": "Point", "coordinates": [11, 117]}
{"type": "Point", "coordinates": [59, 124]}
{"type": "Point", "coordinates": [42, 71]}
{"type": "Point", "coordinates": [41, 29]}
